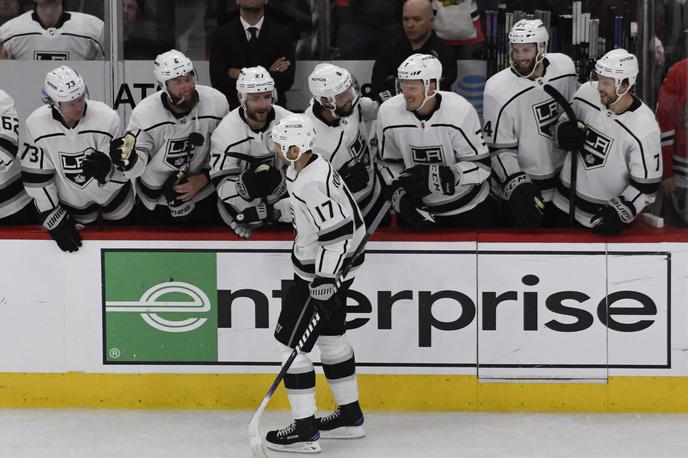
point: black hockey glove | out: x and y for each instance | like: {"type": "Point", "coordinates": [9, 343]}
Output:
{"type": "Point", "coordinates": [421, 180]}
{"type": "Point", "coordinates": [409, 211]}
{"type": "Point", "coordinates": [97, 165]}
{"type": "Point", "coordinates": [614, 217]}
{"type": "Point", "coordinates": [122, 152]}
{"type": "Point", "coordinates": [324, 296]}
{"type": "Point", "coordinates": [525, 202]}
{"type": "Point", "coordinates": [570, 135]}
{"type": "Point", "coordinates": [261, 181]}
{"type": "Point", "coordinates": [62, 229]}
{"type": "Point", "coordinates": [172, 196]}
{"type": "Point", "coordinates": [355, 175]}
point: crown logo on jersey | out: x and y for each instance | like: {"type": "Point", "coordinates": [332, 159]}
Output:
{"type": "Point", "coordinates": [596, 148]}
{"type": "Point", "coordinates": [72, 167]}
{"type": "Point", "coordinates": [179, 152]}
{"type": "Point", "coordinates": [546, 114]}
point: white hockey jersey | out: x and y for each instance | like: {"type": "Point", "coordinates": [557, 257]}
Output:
{"type": "Point", "coordinates": [518, 118]}
{"type": "Point", "coordinates": [162, 142]}
{"type": "Point", "coordinates": [452, 136]}
{"type": "Point", "coordinates": [12, 195]}
{"type": "Point", "coordinates": [347, 142]}
{"type": "Point", "coordinates": [231, 145]}
{"type": "Point", "coordinates": [51, 160]}
{"type": "Point", "coordinates": [622, 156]}
{"type": "Point", "coordinates": [77, 36]}
{"type": "Point", "coordinates": [328, 223]}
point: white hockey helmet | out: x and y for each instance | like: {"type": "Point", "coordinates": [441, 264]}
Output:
{"type": "Point", "coordinates": [254, 80]}
{"type": "Point", "coordinates": [296, 130]}
{"type": "Point", "coordinates": [329, 81]}
{"type": "Point", "coordinates": [620, 65]}
{"type": "Point", "coordinates": [63, 84]}
{"type": "Point", "coordinates": [529, 31]}
{"type": "Point", "coordinates": [424, 67]}
{"type": "Point", "coordinates": [169, 65]}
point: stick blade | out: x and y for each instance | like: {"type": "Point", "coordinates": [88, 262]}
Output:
{"type": "Point", "coordinates": [258, 449]}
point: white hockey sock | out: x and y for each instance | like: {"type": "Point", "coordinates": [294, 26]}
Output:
{"type": "Point", "coordinates": [339, 365]}
{"type": "Point", "coordinates": [299, 382]}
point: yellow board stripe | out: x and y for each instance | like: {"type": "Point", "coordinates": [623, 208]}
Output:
{"type": "Point", "coordinates": [378, 392]}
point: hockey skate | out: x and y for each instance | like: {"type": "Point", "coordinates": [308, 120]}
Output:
{"type": "Point", "coordinates": [344, 423]}
{"type": "Point", "coordinates": [299, 437]}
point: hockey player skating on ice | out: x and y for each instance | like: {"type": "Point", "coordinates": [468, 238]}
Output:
{"type": "Point", "coordinates": [519, 117]}
{"type": "Point", "coordinates": [15, 204]}
{"type": "Point", "coordinates": [246, 172]}
{"type": "Point", "coordinates": [172, 129]}
{"type": "Point", "coordinates": [432, 154]}
{"type": "Point", "coordinates": [620, 161]}
{"type": "Point", "coordinates": [69, 160]}
{"type": "Point", "coordinates": [340, 118]}
{"type": "Point", "coordinates": [328, 227]}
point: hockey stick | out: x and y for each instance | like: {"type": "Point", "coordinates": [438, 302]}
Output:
{"type": "Point", "coordinates": [561, 100]}
{"type": "Point", "coordinates": [257, 448]}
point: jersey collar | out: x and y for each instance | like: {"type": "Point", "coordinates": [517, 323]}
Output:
{"type": "Point", "coordinates": [60, 22]}
{"type": "Point", "coordinates": [438, 97]}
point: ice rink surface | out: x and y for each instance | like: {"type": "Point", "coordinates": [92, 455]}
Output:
{"type": "Point", "coordinates": [215, 434]}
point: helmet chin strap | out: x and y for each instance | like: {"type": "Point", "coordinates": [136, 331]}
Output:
{"type": "Point", "coordinates": [618, 96]}
{"type": "Point", "coordinates": [336, 111]}
{"type": "Point", "coordinates": [535, 65]}
{"type": "Point", "coordinates": [426, 97]}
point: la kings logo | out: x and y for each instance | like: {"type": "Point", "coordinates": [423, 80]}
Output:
{"type": "Point", "coordinates": [51, 55]}
{"type": "Point", "coordinates": [546, 114]}
{"type": "Point", "coordinates": [180, 151]}
{"type": "Point", "coordinates": [72, 165]}
{"type": "Point", "coordinates": [359, 148]}
{"type": "Point", "coordinates": [596, 149]}
{"type": "Point", "coordinates": [427, 154]}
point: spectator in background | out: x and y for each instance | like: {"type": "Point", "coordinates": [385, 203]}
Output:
{"type": "Point", "coordinates": [457, 22]}
{"type": "Point", "coordinates": [419, 38]}
{"type": "Point", "coordinates": [672, 116]}
{"type": "Point", "coordinates": [9, 9]}
{"type": "Point", "coordinates": [138, 44]}
{"type": "Point", "coordinates": [50, 33]}
{"type": "Point", "coordinates": [364, 27]}
{"type": "Point", "coordinates": [15, 207]}
{"type": "Point", "coordinates": [250, 40]}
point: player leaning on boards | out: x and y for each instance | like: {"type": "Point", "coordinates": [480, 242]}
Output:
{"type": "Point", "coordinates": [620, 160]}
{"type": "Point", "coordinates": [172, 129]}
{"type": "Point", "coordinates": [64, 166]}
{"type": "Point", "coordinates": [247, 174]}
{"type": "Point", "coordinates": [431, 152]}
{"type": "Point", "coordinates": [15, 204]}
{"type": "Point", "coordinates": [340, 117]}
{"type": "Point", "coordinates": [519, 117]}
{"type": "Point", "coordinates": [329, 228]}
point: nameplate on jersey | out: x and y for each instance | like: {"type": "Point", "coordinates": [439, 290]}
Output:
{"type": "Point", "coordinates": [180, 151]}
{"type": "Point", "coordinates": [72, 166]}
{"type": "Point", "coordinates": [427, 154]}
{"type": "Point", "coordinates": [597, 146]}
{"type": "Point", "coordinates": [546, 114]}
{"type": "Point", "coordinates": [51, 55]}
